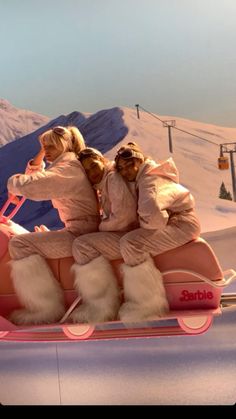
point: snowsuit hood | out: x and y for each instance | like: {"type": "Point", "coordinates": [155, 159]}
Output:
{"type": "Point", "coordinates": [166, 168]}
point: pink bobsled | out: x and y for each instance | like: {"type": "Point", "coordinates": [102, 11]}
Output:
{"type": "Point", "coordinates": [192, 276]}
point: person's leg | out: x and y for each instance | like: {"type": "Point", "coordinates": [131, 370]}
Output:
{"type": "Point", "coordinates": [48, 244]}
{"type": "Point", "coordinates": [95, 280]}
{"type": "Point", "coordinates": [38, 291]}
{"type": "Point", "coordinates": [144, 292]}
{"type": "Point", "coordinates": [87, 247]}
{"type": "Point", "coordinates": [138, 244]}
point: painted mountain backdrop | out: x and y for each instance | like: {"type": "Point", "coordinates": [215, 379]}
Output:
{"type": "Point", "coordinates": [195, 155]}
{"type": "Point", "coordinates": [15, 123]}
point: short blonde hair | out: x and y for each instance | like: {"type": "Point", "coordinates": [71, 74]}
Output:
{"type": "Point", "coordinates": [64, 139]}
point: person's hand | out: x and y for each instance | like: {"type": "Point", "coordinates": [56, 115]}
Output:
{"type": "Point", "coordinates": [41, 228]}
{"type": "Point", "coordinates": [42, 146]}
{"type": "Point", "coordinates": [37, 160]}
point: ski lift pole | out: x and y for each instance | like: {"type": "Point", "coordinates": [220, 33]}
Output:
{"type": "Point", "coordinates": [232, 173]}
{"type": "Point", "coordinates": [137, 106]}
{"type": "Point", "coordinates": [229, 148]}
{"type": "Point", "coordinates": [169, 125]}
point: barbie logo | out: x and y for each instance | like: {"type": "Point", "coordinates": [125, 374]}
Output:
{"type": "Point", "coordinates": [196, 296]}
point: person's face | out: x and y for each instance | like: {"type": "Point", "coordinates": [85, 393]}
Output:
{"type": "Point", "coordinates": [128, 168]}
{"type": "Point", "coordinates": [94, 168]}
{"type": "Point", "coordinates": [51, 152]}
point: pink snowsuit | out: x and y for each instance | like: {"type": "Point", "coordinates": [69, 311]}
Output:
{"type": "Point", "coordinates": [119, 207]}
{"type": "Point", "coordinates": [66, 184]}
{"type": "Point", "coordinates": [166, 216]}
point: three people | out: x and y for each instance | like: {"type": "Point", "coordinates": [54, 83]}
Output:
{"type": "Point", "coordinates": [145, 212]}
{"type": "Point", "coordinates": [65, 183]}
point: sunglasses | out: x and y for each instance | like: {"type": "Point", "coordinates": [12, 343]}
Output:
{"type": "Point", "coordinates": [59, 130]}
{"type": "Point", "coordinates": [128, 153]}
{"type": "Point", "coordinates": [88, 152]}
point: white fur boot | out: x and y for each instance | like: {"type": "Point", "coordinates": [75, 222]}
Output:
{"type": "Point", "coordinates": [97, 285]}
{"type": "Point", "coordinates": [144, 292]}
{"type": "Point", "coordinates": [37, 290]}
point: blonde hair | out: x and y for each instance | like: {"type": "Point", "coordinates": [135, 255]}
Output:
{"type": "Point", "coordinates": [64, 139]}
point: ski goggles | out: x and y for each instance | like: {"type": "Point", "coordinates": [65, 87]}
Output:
{"type": "Point", "coordinates": [88, 152]}
{"type": "Point", "coordinates": [59, 130]}
{"type": "Point", "coordinates": [128, 153]}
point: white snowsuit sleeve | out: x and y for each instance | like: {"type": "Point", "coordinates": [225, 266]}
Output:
{"type": "Point", "coordinates": [44, 185]}
{"type": "Point", "coordinates": [32, 168]}
{"type": "Point", "coordinates": [151, 211]}
{"type": "Point", "coordinates": [123, 205]}
{"type": "Point", "coordinates": [158, 197]}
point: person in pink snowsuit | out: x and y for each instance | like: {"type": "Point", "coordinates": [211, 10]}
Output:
{"type": "Point", "coordinates": [167, 219]}
{"type": "Point", "coordinates": [94, 277]}
{"type": "Point", "coordinates": [66, 184]}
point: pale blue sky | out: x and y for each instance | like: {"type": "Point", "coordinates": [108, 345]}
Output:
{"type": "Point", "coordinates": [173, 57]}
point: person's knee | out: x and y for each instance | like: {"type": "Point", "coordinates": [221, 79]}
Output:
{"type": "Point", "coordinates": [127, 247]}
{"type": "Point", "coordinates": [14, 245]}
{"type": "Point", "coordinates": [78, 247]}
{"type": "Point", "coordinates": [127, 241]}
{"type": "Point", "coordinates": [123, 244]}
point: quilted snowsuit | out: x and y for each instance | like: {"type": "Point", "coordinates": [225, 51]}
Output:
{"type": "Point", "coordinates": [119, 207]}
{"type": "Point", "coordinates": [65, 183]}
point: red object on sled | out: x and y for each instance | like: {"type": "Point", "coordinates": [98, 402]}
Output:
{"type": "Point", "coordinates": [5, 218]}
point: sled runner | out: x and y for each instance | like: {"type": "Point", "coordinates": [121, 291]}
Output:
{"type": "Point", "coordinates": [192, 277]}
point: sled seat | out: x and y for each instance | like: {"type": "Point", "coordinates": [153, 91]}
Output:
{"type": "Point", "coordinates": [185, 290]}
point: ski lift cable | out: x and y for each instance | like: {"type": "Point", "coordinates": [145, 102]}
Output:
{"type": "Point", "coordinates": [186, 132]}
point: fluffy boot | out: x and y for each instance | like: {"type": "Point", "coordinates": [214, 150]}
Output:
{"type": "Point", "coordinates": [97, 285]}
{"type": "Point", "coordinates": [144, 293]}
{"type": "Point", "coordinates": [37, 290]}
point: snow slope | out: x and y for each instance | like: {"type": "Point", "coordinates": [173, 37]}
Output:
{"type": "Point", "coordinates": [15, 122]}
{"type": "Point", "coordinates": [108, 129]}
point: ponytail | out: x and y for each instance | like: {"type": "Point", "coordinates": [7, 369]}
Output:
{"type": "Point", "coordinates": [77, 140]}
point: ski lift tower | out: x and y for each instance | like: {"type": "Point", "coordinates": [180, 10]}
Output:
{"type": "Point", "coordinates": [229, 148]}
{"type": "Point", "coordinates": [169, 125]}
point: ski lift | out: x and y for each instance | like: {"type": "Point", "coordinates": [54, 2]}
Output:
{"type": "Point", "coordinates": [223, 161]}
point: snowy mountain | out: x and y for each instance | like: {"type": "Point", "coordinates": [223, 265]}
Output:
{"type": "Point", "coordinates": [103, 130]}
{"type": "Point", "coordinates": [15, 123]}
{"type": "Point", "coordinates": [195, 155]}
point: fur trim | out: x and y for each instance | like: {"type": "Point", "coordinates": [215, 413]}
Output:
{"type": "Point", "coordinates": [145, 296]}
{"type": "Point", "coordinates": [37, 290]}
{"type": "Point", "coordinates": [97, 285]}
